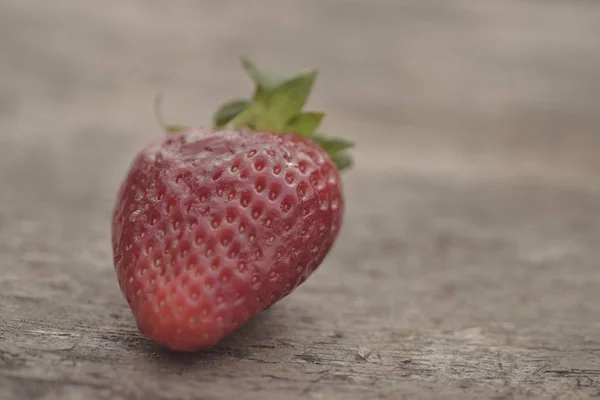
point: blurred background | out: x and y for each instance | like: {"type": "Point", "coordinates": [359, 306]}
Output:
{"type": "Point", "coordinates": [475, 196]}
{"type": "Point", "coordinates": [484, 88]}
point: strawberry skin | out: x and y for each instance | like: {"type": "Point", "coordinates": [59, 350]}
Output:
{"type": "Point", "coordinates": [212, 226]}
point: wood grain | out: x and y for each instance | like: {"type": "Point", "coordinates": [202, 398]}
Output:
{"type": "Point", "coordinates": [468, 264]}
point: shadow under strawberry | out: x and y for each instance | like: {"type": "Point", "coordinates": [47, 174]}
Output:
{"type": "Point", "coordinates": [262, 331]}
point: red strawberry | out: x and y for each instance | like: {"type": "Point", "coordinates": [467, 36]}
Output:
{"type": "Point", "coordinates": [212, 226]}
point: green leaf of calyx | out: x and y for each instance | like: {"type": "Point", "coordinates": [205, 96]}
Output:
{"type": "Point", "coordinates": [249, 117]}
{"type": "Point", "coordinates": [342, 160]}
{"type": "Point", "coordinates": [228, 111]}
{"type": "Point", "coordinates": [337, 149]}
{"type": "Point", "coordinates": [332, 145]}
{"type": "Point", "coordinates": [174, 128]}
{"type": "Point", "coordinates": [264, 81]}
{"type": "Point", "coordinates": [304, 123]}
{"type": "Point", "coordinates": [285, 101]}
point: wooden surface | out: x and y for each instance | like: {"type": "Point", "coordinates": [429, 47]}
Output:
{"type": "Point", "coordinates": [469, 262]}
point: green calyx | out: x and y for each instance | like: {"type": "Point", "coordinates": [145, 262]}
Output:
{"type": "Point", "coordinates": [276, 106]}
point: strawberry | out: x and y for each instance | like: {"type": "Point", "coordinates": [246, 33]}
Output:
{"type": "Point", "coordinates": [212, 226]}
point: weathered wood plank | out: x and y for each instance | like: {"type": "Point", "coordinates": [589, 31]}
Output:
{"type": "Point", "coordinates": [468, 264]}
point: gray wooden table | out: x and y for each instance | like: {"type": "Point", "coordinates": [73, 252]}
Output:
{"type": "Point", "coordinates": [469, 262]}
